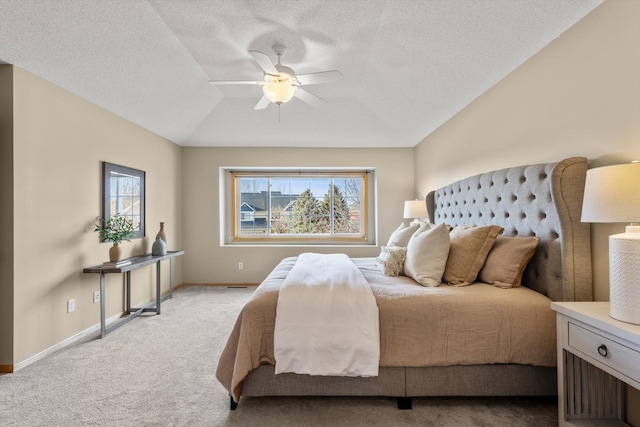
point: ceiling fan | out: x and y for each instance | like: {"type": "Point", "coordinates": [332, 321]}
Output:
{"type": "Point", "coordinates": [281, 83]}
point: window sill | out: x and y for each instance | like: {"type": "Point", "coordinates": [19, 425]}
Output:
{"type": "Point", "coordinates": [298, 245]}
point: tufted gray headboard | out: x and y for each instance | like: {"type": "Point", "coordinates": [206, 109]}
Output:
{"type": "Point", "coordinates": [543, 200]}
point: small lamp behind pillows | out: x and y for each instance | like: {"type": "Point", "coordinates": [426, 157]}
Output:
{"type": "Point", "coordinates": [415, 209]}
{"type": "Point", "coordinates": [612, 194]}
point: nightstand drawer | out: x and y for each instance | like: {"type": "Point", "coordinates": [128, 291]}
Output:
{"type": "Point", "coordinates": [610, 353]}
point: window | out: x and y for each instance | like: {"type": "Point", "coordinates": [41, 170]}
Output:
{"type": "Point", "coordinates": [307, 206]}
{"type": "Point", "coordinates": [123, 193]}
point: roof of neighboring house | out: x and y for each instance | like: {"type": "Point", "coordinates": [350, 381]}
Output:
{"type": "Point", "coordinates": [260, 201]}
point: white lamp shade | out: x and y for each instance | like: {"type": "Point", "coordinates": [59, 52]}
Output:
{"type": "Point", "coordinates": [415, 209]}
{"type": "Point", "coordinates": [612, 194]}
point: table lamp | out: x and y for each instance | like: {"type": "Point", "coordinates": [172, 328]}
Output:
{"type": "Point", "coordinates": [612, 194]}
{"type": "Point", "coordinates": [415, 209]}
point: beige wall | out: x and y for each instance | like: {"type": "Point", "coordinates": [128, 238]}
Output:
{"type": "Point", "coordinates": [59, 142]}
{"type": "Point", "coordinates": [6, 216]}
{"type": "Point", "coordinates": [206, 261]}
{"type": "Point", "coordinates": [579, 96]}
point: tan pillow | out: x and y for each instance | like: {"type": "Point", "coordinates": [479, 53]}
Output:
{"type": "Point", "coordinates": [426, 255]}
{"type": "Point", "coordinates": [469, 248]}
{"type": "Point", "coordinates": [507, 260]}
{"type": "Point", "coordinates": [400, 237]}
{"type": "Point", "coordinates": [391, 260]}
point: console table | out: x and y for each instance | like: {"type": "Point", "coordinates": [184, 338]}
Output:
{"type": "Point", "coordinates": [133, 312]}
{"type": "Point", "coordinates": [597, 355]}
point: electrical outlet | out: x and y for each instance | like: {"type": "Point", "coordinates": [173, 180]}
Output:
{"type": "Point", "coordinates": [71, 306]}
{"type": "Point", "coordinates": [96, 296]}
{"type": "Point", "coordinates": [240, 265]}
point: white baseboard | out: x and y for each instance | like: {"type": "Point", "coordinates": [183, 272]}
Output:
{"type": "Point", "coordinates": [62, 344]}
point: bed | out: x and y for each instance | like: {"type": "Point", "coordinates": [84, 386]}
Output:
{"type": "Point", "coordinates": [511, 331]}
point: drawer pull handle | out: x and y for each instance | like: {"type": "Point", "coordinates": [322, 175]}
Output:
{"type": "Point", "coordinates": [603, 350]}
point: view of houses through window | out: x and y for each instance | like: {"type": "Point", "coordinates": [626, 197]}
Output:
{"type": "Point", "coordinates": [123, 193]}
{"type": "Point", "coordinates": [125, 197]}
{"type": "Point", "coordinates": [316, 205]}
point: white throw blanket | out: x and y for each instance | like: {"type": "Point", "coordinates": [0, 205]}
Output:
{"type": "Point", "coordinates": [326, 319]}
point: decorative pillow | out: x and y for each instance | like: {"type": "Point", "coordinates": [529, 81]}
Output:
{"type": "Point", "coordinates": [426, 255]}
{"type": "Point", "coordinates": [391, 260]}
{"type": "Point", "coordinates": [469, 248]}
{"type": "Point", "coordinates": [400, 237]}
{"type": "Point", "coordinates": [507, 260]}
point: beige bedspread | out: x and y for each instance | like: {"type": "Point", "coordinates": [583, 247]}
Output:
{"type": "Point", "coordinates": [419, 326]}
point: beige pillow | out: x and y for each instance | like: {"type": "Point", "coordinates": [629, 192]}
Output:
{"type": "Point", "coordinates": [426, 255]}
{"type": "Point", "coordinates": [507, 260]}
{"type": "Point", "coordinates": [391, 260]}
{"type": "Point", "coordinates": [469, 248]}
{"type": "Point", "coordinates": [400, 237]}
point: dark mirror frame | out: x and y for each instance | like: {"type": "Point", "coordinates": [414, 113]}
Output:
{"type": "Point", "coordinates": [107, 170]}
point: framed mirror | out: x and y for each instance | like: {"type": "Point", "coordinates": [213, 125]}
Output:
{"type": "Point", "coordinates": [123, 193]}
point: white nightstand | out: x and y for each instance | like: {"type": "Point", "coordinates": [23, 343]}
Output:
{"type": "Point", "coordinates": [596, 355]}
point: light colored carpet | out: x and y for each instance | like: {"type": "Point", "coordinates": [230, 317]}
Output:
{"type": "Point", "coordinates": [160, 371]}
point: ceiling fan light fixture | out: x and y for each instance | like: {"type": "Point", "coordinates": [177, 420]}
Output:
{"type": "Point", "coordinates": [279, 90]}
{"type": "Point", "coordinates": [280, 83]}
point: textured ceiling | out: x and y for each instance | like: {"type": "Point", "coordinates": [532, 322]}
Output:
{"type": "Point", "coordinates": [408, 65]}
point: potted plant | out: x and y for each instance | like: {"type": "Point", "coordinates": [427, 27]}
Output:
{"type": "Point", "coordinates": [116, 229]}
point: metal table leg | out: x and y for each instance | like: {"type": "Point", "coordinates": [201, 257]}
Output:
{"type": "Point", "coordinates": [158, 296]}
{"type": "Point", "coordinates": [170, 277]}
{"type": "Point", "coordinates": [103, 326]}
{"type": "Point", "coordinates": [127, 285]}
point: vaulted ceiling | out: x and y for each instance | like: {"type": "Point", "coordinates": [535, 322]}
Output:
{"type": "Point", "coordinates": [408, 65]}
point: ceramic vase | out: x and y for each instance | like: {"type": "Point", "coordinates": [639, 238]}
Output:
{"type": "Point", "coordinates": [115, 252]}
{"type": "Point", "coordinates": [159, 247]}
{"type": "Point", "coordinates": [161, 234]}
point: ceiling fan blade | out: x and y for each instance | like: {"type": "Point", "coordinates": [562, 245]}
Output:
{"type": "Point", "coordinates": [309, 98]}
{"type": "Point", "coordinates": [235, 82]}
{"type": "Point", "coordinates": [321, 77]}
{"type": "Point", "coordinates": [262, 104]}
{"type": "Point", "coordinates": [264, 62]}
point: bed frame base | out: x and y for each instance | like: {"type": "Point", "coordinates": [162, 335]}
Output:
{"type": "Point", "coordinates": [406, 383]}
{"type": "Point", "coordinates": [404, 403]}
